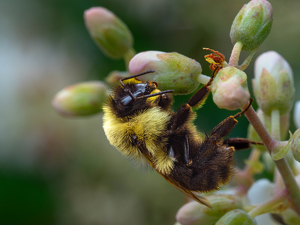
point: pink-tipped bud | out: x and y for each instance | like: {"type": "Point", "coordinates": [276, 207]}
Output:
{"type": "Point", "coordinates": [83, 99]}
{"type": "Point", "coordinates": [173, 71]}
{"type": "Point", "coordinates": [230, 89]}
{"type": "Point", "coordinates": [108, 31]}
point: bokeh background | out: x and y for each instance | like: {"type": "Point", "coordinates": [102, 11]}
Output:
{"type": "Point", "coordinates": [56, 170]}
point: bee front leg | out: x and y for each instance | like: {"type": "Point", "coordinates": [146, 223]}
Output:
{"type": "Point", "coordinates": [200, 96]}
{"type": "Point", "coordinates": [195, 101]}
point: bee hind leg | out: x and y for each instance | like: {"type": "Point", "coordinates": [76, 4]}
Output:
{"type": "Point", "coordinates": [226, 126]}
{"type": "Point", "coordinates": [240, 143]}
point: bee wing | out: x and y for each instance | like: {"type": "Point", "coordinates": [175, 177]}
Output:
{"type": "Point", "coordinates": [187, 192]}
{"type": "Point", "coordinates": [175, 184]}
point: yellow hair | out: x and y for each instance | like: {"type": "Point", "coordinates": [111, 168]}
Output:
{"type": "Point", "coordinates": [148, 126]}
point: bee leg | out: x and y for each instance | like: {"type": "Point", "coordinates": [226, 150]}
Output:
{"type": "Point", "coordinates": [225, 127]}
{"type": "Point", "coordinates": [196, 101]}
{"type": "Point", "coordinates": [240, 143]}
{"type": "Point", "coordinates": [200, 96]}
{"type": "Point", "coordinates": [165, 101]}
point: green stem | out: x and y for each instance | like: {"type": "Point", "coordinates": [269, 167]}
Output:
{"type": "Point", "coordinates": [275, 124]}
{"type": "Point", "coordinates": [267, 206]}
{"type": "Point", "coordinates": [282, 166]}
{"type": "Point", "coordinates": [247, 61]}
{"type": "Point", "coordinates": [235, 54]}
{"type": "Point", "coordinates": [128, 56]}
{"type": "Point", "coordinates": [203, 79]}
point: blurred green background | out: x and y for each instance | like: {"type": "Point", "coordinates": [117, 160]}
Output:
{"type": "Point", "coordinates": [55, 170]}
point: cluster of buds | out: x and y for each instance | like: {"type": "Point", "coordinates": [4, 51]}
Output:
{"type": "Point", "coordinates": [273, 88]}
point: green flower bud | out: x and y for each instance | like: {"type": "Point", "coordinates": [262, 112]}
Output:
{"type": "Point", "coordinates": [83, 99]}
{"type": "Point", "coordinates": [252, 24]}
{"type": "Point", "coordinates": [290, 217]}
{"type": "Point", "coordinates": [230, 89]}
{"type": "Point", "coordinates": [273, 83]}
{"type": "Point", "coordinates": [194, 213]}
{"type": "Point", "coordinates": [236, 217]}
{"type": "Point", "coordinates": [173, 71]}
{"type": "Point", "coordinates": [108, 31]}
{"type": "Point", "coordinates": [295, 145]}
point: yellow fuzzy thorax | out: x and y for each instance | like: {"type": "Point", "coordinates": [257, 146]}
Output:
{"type": "Point", "coordinates": [148, 126]}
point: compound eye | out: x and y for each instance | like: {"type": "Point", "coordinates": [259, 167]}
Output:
{"type": "Point", "coordinates": [127, 100]}
{"type": "Point", "coordinates": [155, 84]}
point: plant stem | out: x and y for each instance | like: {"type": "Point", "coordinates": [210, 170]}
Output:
{"type": "Point", "coordinates": [235, 54]}
{"type": "Point", "coordinates": [282, 166]}
{"type": "Point", "coordinates": [203, 79]}
{"type": "Point", "coordinates": [275, 124]}
{"type": "Point", "coordinates": [247, 61]}
{"type": "Point", "coordinates": [268, 205]}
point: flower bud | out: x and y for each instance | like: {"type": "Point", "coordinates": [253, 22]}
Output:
{"type": "Point", "coordinates": [230, 89]}
{"type": "Point", "coordinates": [252, 24]}
{"type": "Point", "coordinates": [273, 83]}
{"type": "Point", "coordinates": [194, 213]}
{"type": "Point", "coordinates": [114, 77]}
{"type": "Point", "coordinates": [83, 99]}
{"type": "Point", "coordinates": [261, 191]}
{"type": "Point", "coordinates": [297, 114]}
{"type": "Point", "coordinates": [290, 217]}
{"type": "Point", "coordinates": [108, 31]}
{"type": "Point", "coordinates": [173, 71]}
{"type": "Point", "coordinates": [295, 145]}
{"type": "Point", "coordinates": [236, 217]}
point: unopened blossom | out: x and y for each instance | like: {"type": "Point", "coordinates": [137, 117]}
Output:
{"type": "Point", "coordinates": [108, 31]}
{"type": "Point", "coordinates": [193, 213]}
{"type": "Point", "coordinates": [252, 24]}
{"type": "Point", "coordinates": [261, 191]}
{"type": "Point", "coordinates": [273, 83]}
{"type": "Point", "coordinates": [83, 99]}
{"type": "Point", "coordinates": [173, 71]}
{"type": "Point", "coordinates": [236, 217]}
{"type": "Point", "coordinates": [230, 89]}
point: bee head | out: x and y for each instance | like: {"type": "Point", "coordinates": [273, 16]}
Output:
{"type": "Point", "coordinates": [132, 97]}
{"type": "Point", "coordinates": [134, 94]}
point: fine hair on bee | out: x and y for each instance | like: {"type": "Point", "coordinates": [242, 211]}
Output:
{"type": "Point", "coordinates": [138, 121]}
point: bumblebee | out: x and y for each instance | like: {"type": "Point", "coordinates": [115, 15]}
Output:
{"type": "Point", "coordinates": [138, 121]}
